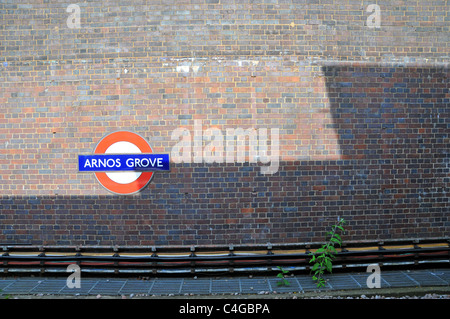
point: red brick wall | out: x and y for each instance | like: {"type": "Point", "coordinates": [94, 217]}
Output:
{"type": "Point", "coordinates": [362, 113]}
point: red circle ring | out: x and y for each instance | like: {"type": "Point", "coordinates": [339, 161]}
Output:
{"type": "Point", "coordinates": [112, 186]}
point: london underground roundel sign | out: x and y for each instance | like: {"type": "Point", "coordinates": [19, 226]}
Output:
{"type": "Point", "coordinates": [123, 162]}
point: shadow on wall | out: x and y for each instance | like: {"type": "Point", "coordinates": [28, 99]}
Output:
{"type": "Point", "coordinates": [392, 180]}
{"type": "Point", "coordinates": [393, 126]}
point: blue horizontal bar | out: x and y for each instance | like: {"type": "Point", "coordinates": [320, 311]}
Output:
{"type": "Point", "coordinates": [123, 162]}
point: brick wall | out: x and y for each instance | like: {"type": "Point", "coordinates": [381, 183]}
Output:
{"type": "Point", "coordinates": [358, 94]}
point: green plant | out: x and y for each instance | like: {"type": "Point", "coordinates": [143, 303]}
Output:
{"type": "Point", "coordinates": [323, 257]}
{"type": "Point", "coordinates": [283, 281]}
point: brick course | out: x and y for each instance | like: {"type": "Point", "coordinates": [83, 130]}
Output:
{"type": "Point", "coordinates": [363, 117]}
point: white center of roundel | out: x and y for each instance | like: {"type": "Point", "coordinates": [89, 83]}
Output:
{"type": "Point", "coordinates": [123, 148]}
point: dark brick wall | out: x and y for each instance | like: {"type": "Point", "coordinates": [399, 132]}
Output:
{"type": "Point", "coordinates": [362, 114]}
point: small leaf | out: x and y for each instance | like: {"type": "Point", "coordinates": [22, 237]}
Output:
{"type": "Point", "coordinates": [334, 240]}
{"type": "Point", "coordinates": [328, 264]}
{"type": "Point", "coordinates": [320, 283]}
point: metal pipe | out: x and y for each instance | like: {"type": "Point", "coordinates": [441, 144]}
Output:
{"type": "Point", "coordinates": [212, 259]}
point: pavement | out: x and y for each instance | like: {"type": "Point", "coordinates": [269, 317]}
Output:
{"type": "Point", "coordinates": [203, 286]}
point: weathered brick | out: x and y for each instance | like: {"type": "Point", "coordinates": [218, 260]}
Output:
{"type": "Point", "coordinates": [362, 115]}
